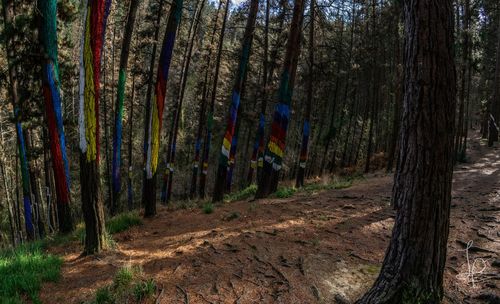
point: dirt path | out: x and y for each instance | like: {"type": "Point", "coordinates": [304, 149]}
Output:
{"type": "Point", "coordinates": [312, 248]}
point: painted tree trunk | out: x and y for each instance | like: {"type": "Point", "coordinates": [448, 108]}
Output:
{"type": "Point", "coordinates": [203, 107]}
{"type": "Point", "coordinates": [299, 182]}
{"type": "Point", "coordinates": [257, 156]}
{"type": "Point", "coordinates": [150, 185]}
{"type": "Point", "coordinates": [220, 182]}
{"type": "Point", "coordinates": [53, 111]}
{"type": "Point", "coordinates": [120, 97]}
{"type": "Point", "coordinates": [156, 115]}
{"type": "Point", "coordinates": [232, 154]}
{"type": "Point", "coordinates": [275, 148]}
{"type": "Point", "coordinates": [414, 263]}
{"type": "Point", "coordinates": [95, 16]}
{"type": "Point", "coordinates": [210, 116]}
{"type": "Point", "coordinates": [8, 13]}
{"type": "Point", "coordinates": [189, 51]}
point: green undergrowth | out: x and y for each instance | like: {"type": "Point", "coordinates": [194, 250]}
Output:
{"type": "Point", "coordinates": [24, 269]}
{"type": "Point", "coordinates": [208, 208]}
{"type": "Point", "coordinates": [123, 222]}
{"type": "Point", "coordinates": [244, 194]}
{"type": "Point", "coordinates": [130, 285]}
{"type": "Point", "coordinates": [285, 192]}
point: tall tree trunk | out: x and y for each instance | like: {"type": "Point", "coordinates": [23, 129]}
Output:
{"type": "Point", "coordinates": [120, 97]}
{"type": "Point", "coordinates": [130, 193]}
{"type": "Point", "coordinates": [146, 192]}
{"type": "Point", "coordinates": [210, 116]}
{"type": "Point", "coordinates": [180, 98]}
{"type": "Point", "coordinates": [414, 263]}
{"type": "Point", "coordinates": [8, 13]}
{"type": "Point", "coordinates": [203, 105]}
{"type": "Point", "coordinates": [95, 16]}
{"type": "Point", "coordinates": [463, 82]}
{"type": "Point", "coordinates": [220, 181]}
{"type": "Point", "coordinates": [275, 149]}
{"type": "Point", "coordinates": [156, 116]}
{"type": "Point", "coordinates": [495, 102]}
{"type": "Point", "coordinates": [53, 110]}
{"type": "Point", "coordinates": [299, 182]}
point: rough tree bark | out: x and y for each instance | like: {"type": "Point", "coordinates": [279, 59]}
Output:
{"type": "Point", "coordinates": [95, 15]}
{"type": "Point", "coordinates": [414, 263]}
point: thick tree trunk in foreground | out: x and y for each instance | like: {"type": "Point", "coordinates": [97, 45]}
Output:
{"type": "Point", "coordinates": [95, 15]}
{"type": "Point", "coordinates": [414, 262]}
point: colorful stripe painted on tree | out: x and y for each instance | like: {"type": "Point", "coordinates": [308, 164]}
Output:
{"type": "Point", "coordinates": [156, 115]}
{"type": "Point", "coordinates": [95, 12]}
{"type": "Point", "coordinates": [220, 182]}
{"type": "Point", "coordinates": [275, 149]}
{"type": "Point", "coordinates": [53, 110]}
{"type": "Point", "coordinates": [25, 178]}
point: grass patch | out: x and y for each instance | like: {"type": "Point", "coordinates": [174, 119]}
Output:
{"type": "Point", "coordinates": [24, 269]}
{"type": "Point", "coordinates": [208, 208]}
{"type": "Point", "coordinates": [285, 192]}
{"type": "Point", "coordinates": [123, 222]}
{"type": "Point", "coordinates": [244, 194]}
{"type": "Point", "coordinates": [129, 286]}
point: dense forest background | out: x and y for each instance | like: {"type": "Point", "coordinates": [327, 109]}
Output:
{"type": "Point", "coordinates": [355, 84]}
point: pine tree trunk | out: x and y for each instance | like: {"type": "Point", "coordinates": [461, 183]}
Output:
{"type": "Point", "coordinates": [180, 98]}
{"type": "Point", "coordinates": [156, 115]}
{"type": "Point", "coordinates": [220, 181]}
{"type": "Point", "coordinates": [203, 106]}
{"type": "Point", "coordinates": [53, 110]}
{"type": "Point", "coordinates": [414, 263]}
{"type": "Point", "coordinates": [276, 144]}
{"type": "Point", "coordinates": [210, 116]}
{"type": "Point", "coordinates": [130, 193]}
{"type": "Point", "coordinates": [150, 194]}
{"type": "Point", "coordinates": [495, 102]}
{"type": "Point", "coordinates": [95, 15]}
{"type": "Point", "coordinates": [120, 97]}
{"type": "Point", "coordinates": [8, 13]}
{"type": "Point", "coordinates": [299, 182]}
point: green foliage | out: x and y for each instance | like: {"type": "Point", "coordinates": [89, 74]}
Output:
{"type": "Point", "coordinates": [285, 192]}
{"type": "Point", "coordinates": [23, 269]}
{"type": "Point", "coordinates": [144, 289]}
{"type": "Point", "coordinates": [244, 194]}
{"type": "Point", "coordinates": [123, 222]}
{"type": "Point", "coordinates": [104, 296]}
{"type": "Point", "coordinates": [208, 208]}
{"type": "Point", "coordinates": [128, 283]}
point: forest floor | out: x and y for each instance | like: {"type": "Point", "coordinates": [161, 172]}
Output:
{"type": "Point", "coordinates": [314, 247]}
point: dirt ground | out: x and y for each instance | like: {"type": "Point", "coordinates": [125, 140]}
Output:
{"type": "Point", "coordinates": [324, 247]}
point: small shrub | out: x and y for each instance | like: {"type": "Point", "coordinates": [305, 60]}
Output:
{"type": "Point", "coordinates": [123, 222]}
{"type": "Point", "coordinates": [285, 192]}
{"type": "Point", "coordinates": [244, 194]}
{"type": "Point", "coordinates": [124, 277]}
{"type": "Point", "coordinates": [208, 208]}
{"type": "Point", "coordinates": [144, 290]}
{"type": "Point", "coordinates": [104, 296]}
